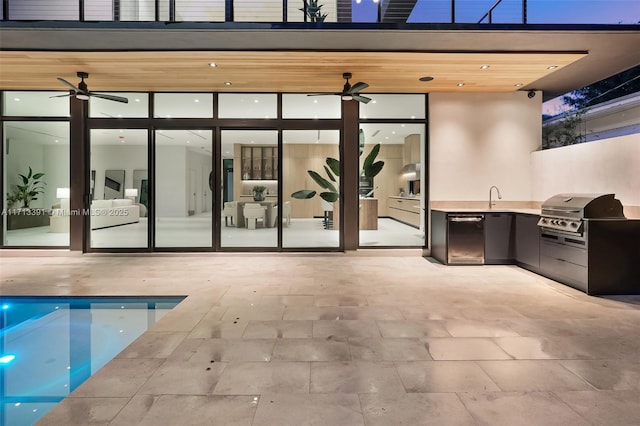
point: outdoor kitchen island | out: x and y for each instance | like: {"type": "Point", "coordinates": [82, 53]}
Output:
{"type": "Point", "coordinates": [597, 255]}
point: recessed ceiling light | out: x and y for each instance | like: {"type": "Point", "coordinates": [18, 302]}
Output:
{"type": "Point", "coordinates": [460, 84]}
{"type": "Point", "coordinates": [188, 141]}
{"type": "Point", "coordinates": [402, 125]}
{"type": "Point", "coordinates": [255, 101]}
{"type": "Point", "coordinates": [426, 78]}
{"type": "Point", "coordinates": [57, 141]}
{"type": "Point", "coordinates": [213, 64]}
{"type": "Point", "coordinates": [315, 101]}
{"type": "Point", "coordinates": [518, 84]}
{"type": "Point", "coordinates": [413, 117]}
{"type": "Point", "coordinates": [374, 101]}
{"type": "Point", "coordinates": [484, 67]}
{"type": "Point", "coordinates": [196, 100]}
{"type": "Point", "coordinates": [16, 99]}
{"type": "Point", "coordinates": [393, 132]}
{"type": "Point", "coordinates": [227, 83]}
{"type": "Point", "coordinates": [168, 116]}
{"type": "Point", "coordinates": [552, 67]}
{"type": "Point", "coordinates": [137, 100]}
{"type": "Point", "coordinates": [252, 142]}
{"type": "Point", "coordinates": [119, 115]}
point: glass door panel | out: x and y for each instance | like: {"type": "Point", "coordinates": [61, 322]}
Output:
{"type": "Point", "coordinates": [392, 204]}
{"type": "Point", "coordinates": [117, 219]}
{"type": "Point", "coordinates": [183, 194]}
{"type": "Point", "coordinates": [36, 180]}
{"type": "Point", "coordinates": [250, 188]}
{"type": "Point", "coordinates": [310, 222]}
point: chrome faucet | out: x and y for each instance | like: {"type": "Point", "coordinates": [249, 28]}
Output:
{"type": "Point", "coordinates": [491, 203]}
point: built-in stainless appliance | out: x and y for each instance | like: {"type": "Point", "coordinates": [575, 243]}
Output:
{"type": "Point", "coordinates": [465, 239]}
{"type": "Point", "coordinates": [586, 242]}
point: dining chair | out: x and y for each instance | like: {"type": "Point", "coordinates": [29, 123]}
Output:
{"type": "Point", "coordinates": [286, 213]}
{"type": "Point", "coordinates": [254, 212]}
{"type": "Point", "coordinates": [230, 210]}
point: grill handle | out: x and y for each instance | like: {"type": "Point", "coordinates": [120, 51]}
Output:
{"type": "Point", "coordinates": [552, 209]}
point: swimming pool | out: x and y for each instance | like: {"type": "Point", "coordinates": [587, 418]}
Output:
{"type": "Point", "coordinates": [50, 345]}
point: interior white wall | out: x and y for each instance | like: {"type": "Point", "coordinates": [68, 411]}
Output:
{"type": "Point", "coordinates": [604, 166]}
{"type": "Point", "coordinates": [56, 169]}
{"type": "Point", "coordinates": [481, 139]}
{"type": "Point", "coordinates": [200, 163]}
{"type": "Point", "coordinates": [20, 155]}
{"type": "Point", "coordinates": [171, 181]}
{"type": "Point", "coordinates": [117, 157]}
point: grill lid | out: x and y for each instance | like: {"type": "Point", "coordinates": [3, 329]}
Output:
{"type": "Point", "coordinates": [579, 206]}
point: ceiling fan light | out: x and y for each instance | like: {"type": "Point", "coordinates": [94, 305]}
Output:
{"type": "Point", "coordinates": [82, 96]}
{"type": "Point", "coordinates": [347, 97]}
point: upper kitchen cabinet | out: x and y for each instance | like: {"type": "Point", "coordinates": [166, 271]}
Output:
{"type": "Point", "coordinates": [411, 153]}
{"type": "Point", "coordinates": [259, 163]}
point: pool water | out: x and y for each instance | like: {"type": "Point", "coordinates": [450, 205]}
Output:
{"type": "Point", "coordinates": [50, 345]}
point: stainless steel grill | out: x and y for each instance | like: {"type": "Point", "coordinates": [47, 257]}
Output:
{"type": "Point", "coordinates": [586, 242]}
{"type": "Point", "coordinates": [566, 212]}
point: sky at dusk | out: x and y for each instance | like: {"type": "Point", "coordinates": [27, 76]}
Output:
{"type": "Point", "coordinates": [510, 11]}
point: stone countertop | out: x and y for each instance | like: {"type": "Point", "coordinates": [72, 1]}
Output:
{"type": "Point", "coordinates": [405, 197]}
{"type": "Point", "coordinates": [497, 210]}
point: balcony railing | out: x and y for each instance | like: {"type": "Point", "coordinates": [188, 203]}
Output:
{"type": "Point", "coordinates": [331, 11]}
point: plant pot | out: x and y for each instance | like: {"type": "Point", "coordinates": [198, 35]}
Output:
{"type": "Point", "coordinates": [258, 196]}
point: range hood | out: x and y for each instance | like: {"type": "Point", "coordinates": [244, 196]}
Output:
{"type": "Point", "coordinates": [411, 171]}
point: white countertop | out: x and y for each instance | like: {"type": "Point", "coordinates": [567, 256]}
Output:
{"type": "Point", "coordinates": [497, 210]}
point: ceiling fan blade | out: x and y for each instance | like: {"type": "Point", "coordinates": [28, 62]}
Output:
{"type": "Point", "coordinates": [362, 99]}
{"type": "Point", "coordinates": [109, 97]}
{"type": "Point", "coordinates": [63, 81]}
{"type": "Point", "coordinates": [358, 87]}
{"type": "Point", "coordinates": [323, 94]}
{"type": "Point", "coordinates": [62, 96]}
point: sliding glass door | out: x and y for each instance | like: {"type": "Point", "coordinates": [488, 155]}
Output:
{"type": "Point", "coordinates": [183, 189]}
{"type": "Point", "coordinates": [117, 217]}
{"type": "Point", "coordinates": [250, 208]}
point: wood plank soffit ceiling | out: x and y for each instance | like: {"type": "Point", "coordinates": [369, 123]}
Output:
{"type": "Point", "coordinates": [281, 71]}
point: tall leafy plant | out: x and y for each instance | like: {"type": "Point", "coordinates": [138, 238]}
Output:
{"type": "Point", "coordinates": [330, 184]}
{"type": "Point", "coordinates": [30, 188]}
{"type": "Point", "coordinates": [313, 11]}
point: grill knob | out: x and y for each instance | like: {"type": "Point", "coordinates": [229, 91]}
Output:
{"type": "Point", "coordinates": [563, 223]}
{"type": "Point", "coordinates": [574, 225]}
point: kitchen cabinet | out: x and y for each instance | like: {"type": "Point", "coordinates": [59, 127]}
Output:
{"type": "Point", "coordinates": [405, 210]}
{"type": "Point", "coordinates": [499, 238]}
{"type": "Point", "coordinates": [508, 237]}
{"type": "Point", "coordinates": [527, 241]}
{"type": "Point", "coordinates": [411, 152]}
{"type": "Point", "coordinates": [259, 162]}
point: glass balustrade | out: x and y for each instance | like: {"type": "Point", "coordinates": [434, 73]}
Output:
{"type": "Point", "coordinates": [330, 11]}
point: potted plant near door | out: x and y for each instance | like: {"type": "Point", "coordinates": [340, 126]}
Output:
{"type": "Point", "coordinates": [29, 190]}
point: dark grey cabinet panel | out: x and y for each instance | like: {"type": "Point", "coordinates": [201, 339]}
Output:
{"type": "Point", "coordinates": [499, 238]}
{"type": "Point", "coordinates": [528, 240]}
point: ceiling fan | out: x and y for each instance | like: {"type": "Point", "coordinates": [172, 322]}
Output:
{"type": "Point", "coordinates": [349, 92]}
{"type": "Point", "coordinates": [83, 93]}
